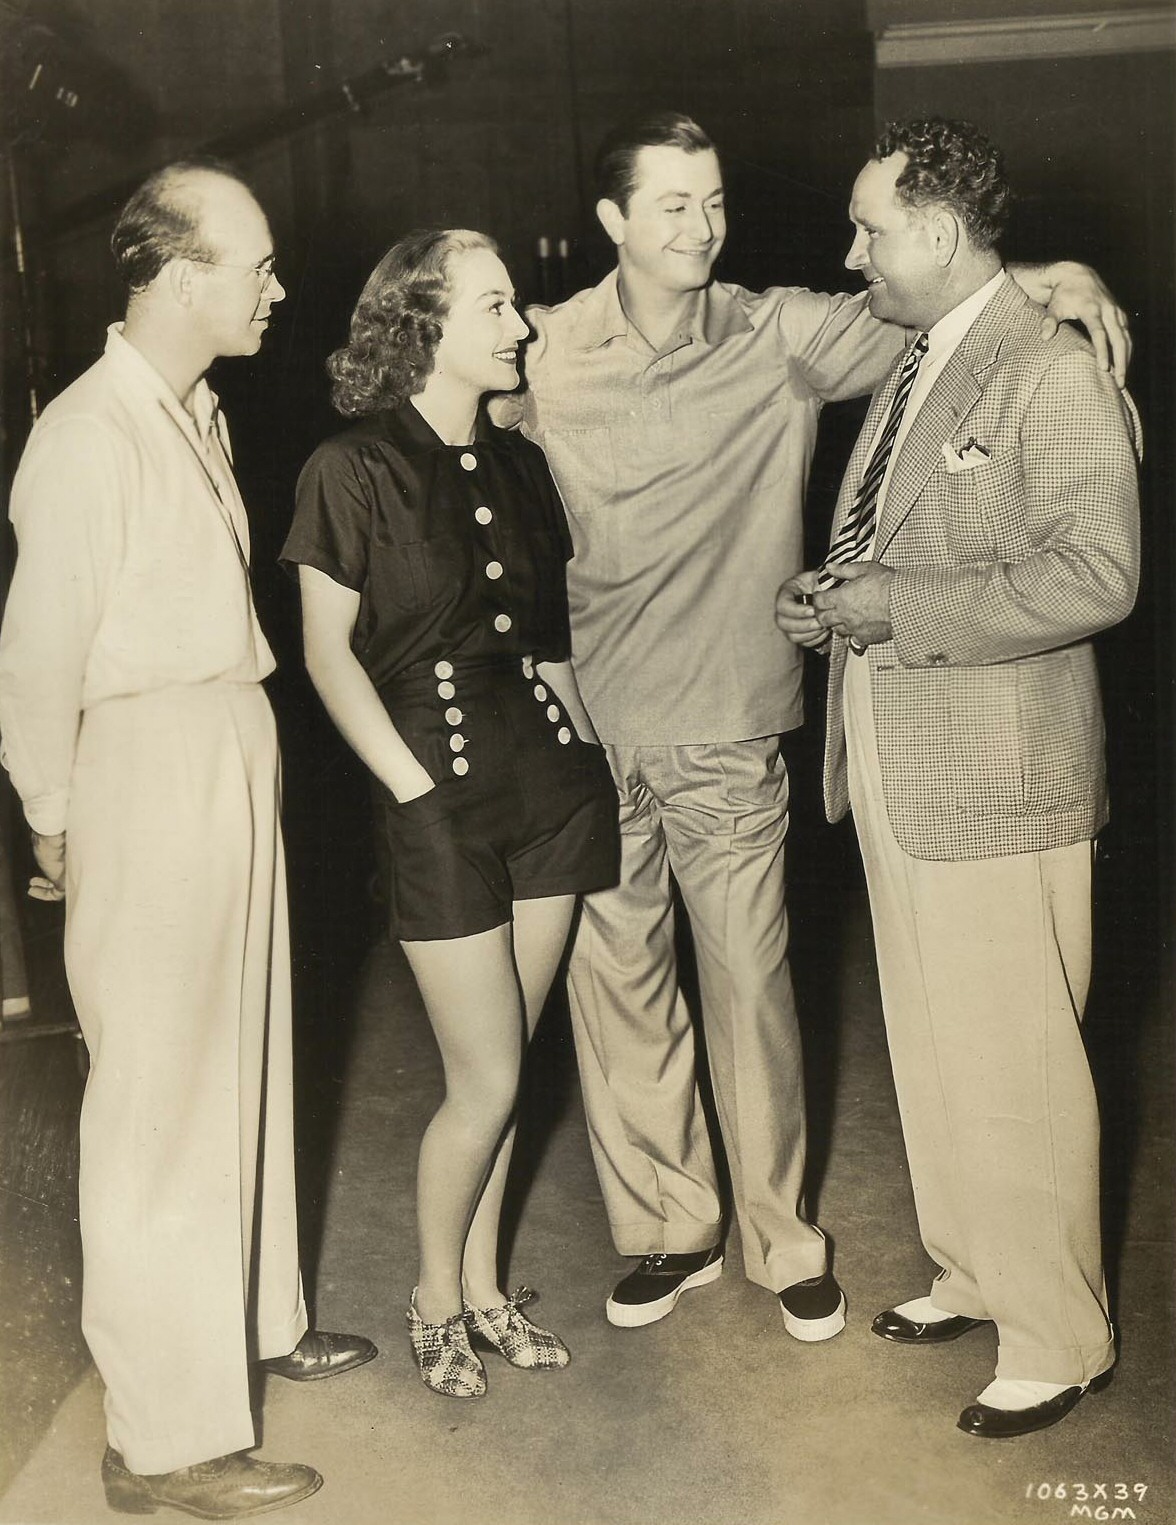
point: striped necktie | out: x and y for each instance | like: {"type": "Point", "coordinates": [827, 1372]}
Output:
{"type": "Point", "coordinates": [856, 536]}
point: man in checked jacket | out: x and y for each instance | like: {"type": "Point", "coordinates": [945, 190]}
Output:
{"type": "Point", "coordinates": [987, 528]}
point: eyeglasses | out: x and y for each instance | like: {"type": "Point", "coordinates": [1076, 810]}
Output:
{"type": "Point", "coordinates": [263, 270]}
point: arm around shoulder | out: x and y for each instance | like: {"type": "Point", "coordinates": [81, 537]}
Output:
{"type": "Point", "coordinates": [841, 349]}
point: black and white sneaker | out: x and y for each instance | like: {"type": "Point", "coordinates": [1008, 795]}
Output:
{"type": "Point", "coordinates": [814, 1309]}
{"type": "Point", "coordinates": [653, 1289]}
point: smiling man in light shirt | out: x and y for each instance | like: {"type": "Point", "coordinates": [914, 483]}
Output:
{"type": "Point", "coordinates": [987, 528]}
{"type": "Point", "coordinates": [679, 415]}
{"type": "Point", "coordinates": [143, 749]}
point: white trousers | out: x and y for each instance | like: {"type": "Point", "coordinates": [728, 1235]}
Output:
{"type": "Point", "coordinates": [178, 960]}
{"type": "Point", "coordinates": [984, 967]}
{"type": "Point", "coordinates": [716, 816]}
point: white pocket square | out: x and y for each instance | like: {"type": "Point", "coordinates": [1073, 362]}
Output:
{"type": "Point", "coordinates": [967, 458]}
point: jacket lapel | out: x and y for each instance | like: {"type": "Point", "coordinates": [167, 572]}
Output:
{"type": "Point", "coordinates": [957, 389]}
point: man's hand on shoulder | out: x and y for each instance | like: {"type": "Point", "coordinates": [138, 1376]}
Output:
{"type": "Point", "coordinates": [1069, 290]}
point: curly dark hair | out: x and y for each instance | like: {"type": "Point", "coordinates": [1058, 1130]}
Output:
{"type": "Point", "coordinates": [396, 325]}
{"type": "Point", "coordinates": [614, 172]}
{"type": "Point", "coordinates": [952, 163]}
{"type": "Point", "coordinates": [161, 221]}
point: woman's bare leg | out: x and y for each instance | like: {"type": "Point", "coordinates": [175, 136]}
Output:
{"type": "Point", "coordinates": [540, 935]}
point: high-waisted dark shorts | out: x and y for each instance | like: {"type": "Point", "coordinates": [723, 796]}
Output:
{"type": "Point", "coordinates": [521, 807]}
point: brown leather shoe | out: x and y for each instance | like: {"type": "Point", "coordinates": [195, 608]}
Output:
{"type": "Point", "coordinates": [225, 1488]}
{"type": "Point", "coordinates": [319, 1354]}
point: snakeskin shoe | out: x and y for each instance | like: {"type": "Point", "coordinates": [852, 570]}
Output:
{"type": "Point", "coordinates": [443, 1354]}
{"type": "Point", "coordinates": [509, 1331]}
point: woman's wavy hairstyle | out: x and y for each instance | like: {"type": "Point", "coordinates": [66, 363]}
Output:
{"type": "Point", "coordinates": [396, 325]}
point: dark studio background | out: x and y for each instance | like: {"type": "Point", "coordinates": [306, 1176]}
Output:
{"type": "Point", "coordinates": [502, 139]}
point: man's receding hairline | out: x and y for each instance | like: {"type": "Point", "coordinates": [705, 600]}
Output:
{"type": "Point", "coordinates": [184, 188]}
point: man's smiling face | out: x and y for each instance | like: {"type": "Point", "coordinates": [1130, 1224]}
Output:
{"type": "Point", "coordinates": [674, 227]}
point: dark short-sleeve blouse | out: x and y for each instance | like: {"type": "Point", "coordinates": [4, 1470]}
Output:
{"type": "Point", "coordinates": [455, 551]}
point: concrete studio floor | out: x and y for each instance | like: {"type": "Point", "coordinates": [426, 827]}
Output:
{"type": "Point", "coordinates": [714, 1415]}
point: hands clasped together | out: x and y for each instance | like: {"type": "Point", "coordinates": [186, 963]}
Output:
{"type": "Point", "coordinates": [857, 606]}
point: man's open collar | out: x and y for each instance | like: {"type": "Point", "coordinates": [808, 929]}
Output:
{"type": "Point", "coordinates": [717, 316]}
{"type": "Point", "coordinates": [134, 365]}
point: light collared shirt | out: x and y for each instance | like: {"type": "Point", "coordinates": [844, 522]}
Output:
{"type": "Point", "coordinates": [683, 471]}
{"type": "Point", "coordinates": [132, 567]}
{"type": "Point", "coordinates": [943, 339]}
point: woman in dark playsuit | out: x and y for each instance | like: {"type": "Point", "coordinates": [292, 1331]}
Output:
{"type": "Point", "coordinates": [431, 550]}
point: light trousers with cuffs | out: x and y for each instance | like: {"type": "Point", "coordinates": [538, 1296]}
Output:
{"type": "Point", "coordinates": [178, 960]}
{"type": "Point", "coordinates": [984, 967]}
{"type": "Point", "coordinates": [715, 816]}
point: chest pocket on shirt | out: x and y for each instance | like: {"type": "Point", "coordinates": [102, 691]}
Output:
{"type": "Point", "coordinates": [583, 463]}
{"type": "Point", "coordinates": [748, 446]}
{"type": "Point", "coordinates": [417, 575]}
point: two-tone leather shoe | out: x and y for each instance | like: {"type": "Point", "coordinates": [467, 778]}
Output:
{"type": "Point", "coordinates": [319, 1354]}
{"type": "Point", "coordinates": [225, 1488]}
{"type": "Point", "coordinates": [1003, 1424]}
{"type": "Point", "coordinates": [891, 1325]}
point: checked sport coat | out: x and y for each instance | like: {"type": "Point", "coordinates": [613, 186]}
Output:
{"type": "Point", "coordinates": [1011, 521]}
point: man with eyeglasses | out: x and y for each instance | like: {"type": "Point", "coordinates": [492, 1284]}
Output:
{"type": "Point", "coordinates": [143, 748]}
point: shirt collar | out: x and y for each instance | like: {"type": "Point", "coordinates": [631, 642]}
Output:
{"type": "Point", "coordinates": [411, 432]}
{"type": "Point", "coordinates": [715, 317]}
{"type": "Point", "coordinates": [944, 337]}
{"type": "Point", "coordinates": [133, 364]}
